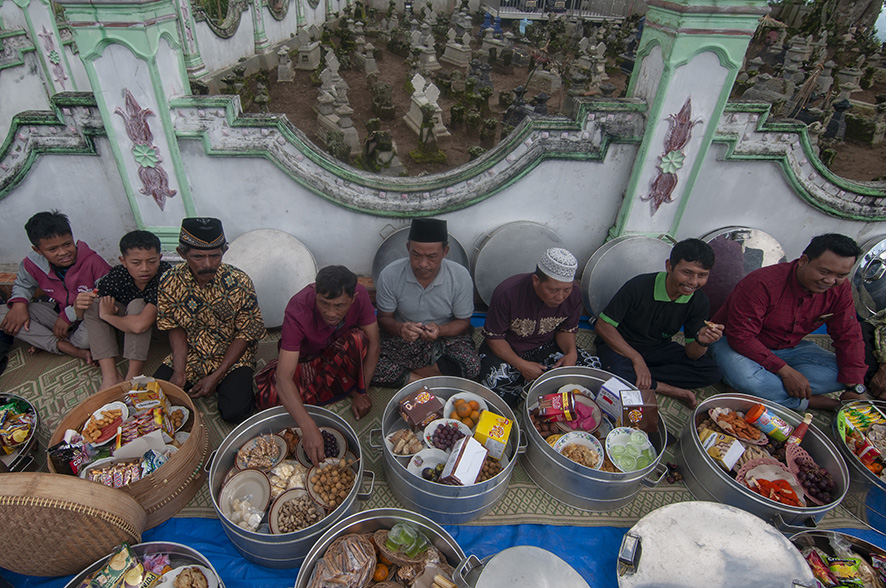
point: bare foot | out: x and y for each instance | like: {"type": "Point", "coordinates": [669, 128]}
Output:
{"type": "Point", "coordinates": [32, 350]}
{"type": "Point", "coordinates": [685, 396]}
{"type": "Point", "coordinates": [74, 351]}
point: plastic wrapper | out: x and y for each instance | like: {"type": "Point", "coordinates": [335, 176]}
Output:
{"type": "Point", "coordinates": [116, 475]}
{"type": "Point", "coordinates": [878, 562]}
{"type": "Point", "coordinates": [846, 571]}
{"type": "Point", "coordinates": [820, 570]}
{"type": "Point", "coordinates": [285, 476]}
{"type": "Point", "coordinates": [348, 562]}
{"type": "Point", "coordinates": [866, 574]}
{"type": "Point", "coordinates": [157, 563]}
{"type": "Point", "coordinates": [71, 458]}
{"type": "Point", "coordinates": [16, 423]}
{"type": "Point", "coordinates": [111, 575]}
{"type": "Point", "coordinates": [244, 515]}
{"type": "Point", "coordinates": [151, 461]}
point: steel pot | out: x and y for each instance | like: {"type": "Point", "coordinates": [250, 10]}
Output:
{"type": "Point", "coordinates": [179, 555]}
{"type": "Point", "coordinates": [862, 479]}
{"type": "Point", "coordinates": [448, 505]}
{"type": "Point", "coordinates": [821, 539]}
{"type": "Point", "coordinates": [569, 482]}
{"type": "Point", "coordinates": [370, 521]}
{"type": "Point", "coordinates": [285, 550]}
{"type": "Point", "coordinates": [707, 481]}
{"type": "Point", "coordinates": [22, 459]}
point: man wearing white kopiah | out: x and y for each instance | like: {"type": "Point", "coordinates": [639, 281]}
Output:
{"type": "Point", "coordinates": [531, 325]}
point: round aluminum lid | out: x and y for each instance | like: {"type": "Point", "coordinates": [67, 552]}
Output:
{"type": "Point", "coordinates": [394, 248]}
{"type": "Point", "coordinates": [709, 545]}
{"type": "Point", "coordinates": [511, 249]}
{"type": "Point", "coordinates": [869, 278]}
{"type": "Point", "coordinates": [738, 252]}
{"type": "Point", "coordinates": [618, 261]}
{"type": "Point", "coordinates": [526, 565]}
{"type": "Point", "coordinates": [278, 264]}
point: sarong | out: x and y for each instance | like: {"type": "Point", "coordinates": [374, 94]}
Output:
{"type": "Point", "coordinates": [326, 378]}
{"type": "Point", "coordinates": [454, 356]}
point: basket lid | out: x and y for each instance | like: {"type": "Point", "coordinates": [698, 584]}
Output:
{"type": "Point", "coordinates": [61, 524]}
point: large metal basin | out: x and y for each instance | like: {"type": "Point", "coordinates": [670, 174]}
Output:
{"type": "Point", "coordinates": [862, 480]}
{"type": "Point", "coordinates": [707, 481]}
{"type": "Point", "coordinates": [179, 555]}
{"type": "Point", "coordinates": [22, 459]}
{"type": "Point", "coordinates": [569, 482]}
{"type": "Point", "coordinates": [285, 550]}
{"type": "Point", "coordinates": [370, 521]}
{"type": "Point", "coordinates": [447, 505]}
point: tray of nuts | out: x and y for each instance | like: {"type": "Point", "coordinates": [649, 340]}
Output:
{"type": "Point", "coordinates": [330, 482]}
{"type": "Point", "coordinates": [261, 453]}
{"type": "Point", "coordinates": [99, 428]}
{"type": "Point", "coordinates": [294, 510]}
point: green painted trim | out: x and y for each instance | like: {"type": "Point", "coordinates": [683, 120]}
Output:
{"type": "Point", "coordinates": [47, 5]}
{"type": "Point", "coordinates": [763, 126]}
{"type": "Point", "coordinates": [47, 78]}
{"type": "Point", "coordinates": [168, 127]}
{"type": "Point", "coordinates": [168, 235]}
{"type": "Point", "coordinates": [48, 118]}
{"type": "Point", "coordinates": [20, 60]}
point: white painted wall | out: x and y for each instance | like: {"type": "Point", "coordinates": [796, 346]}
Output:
{"type": "Point", "coordinates": [21, 88]}
{"type": "Point", "coordinates": [86, 188]}
{"type": "Point", "coordinates": [218, 53]}
{"type": "Point", "coordinates": [279, 31]}
{"type": "Point", "coordinates": [756, 194]}
{"type": "Point", "coordinates": [78, 71]}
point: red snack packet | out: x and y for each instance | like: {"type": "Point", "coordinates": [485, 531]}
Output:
{"type": "Point", "coordinates": [820, 569]}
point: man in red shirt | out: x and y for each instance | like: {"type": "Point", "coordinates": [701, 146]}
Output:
{"type": "Point", "coordinates": [773, 308]}
{"type": "Point", "coordinates": [328, 350]}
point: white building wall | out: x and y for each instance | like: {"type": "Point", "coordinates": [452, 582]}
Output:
{"type": "Point", "coordinates": [21, 88]}
{"type": "Point", "coordinates": [218, 53]}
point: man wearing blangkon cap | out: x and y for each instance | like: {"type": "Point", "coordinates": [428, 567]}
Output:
{"type": "Point", "coordinates": [531, 325]}
{"type": "Point", "coordinates": [211, 312]}
{"type": "Point", "coordinates": [425, 303]}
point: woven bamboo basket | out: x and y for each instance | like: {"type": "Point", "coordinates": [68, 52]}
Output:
{"type": "Point", "coordinates": [52, 536]}
{"type": "Point", "coordinates": [166, 491]}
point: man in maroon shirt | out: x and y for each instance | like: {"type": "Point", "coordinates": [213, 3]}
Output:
{"type": "Point", "coordinates": [328, 350]}
{"type": "Point", "coordinates": [773, 308]}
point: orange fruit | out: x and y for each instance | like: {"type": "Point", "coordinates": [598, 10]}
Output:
{"type": "Point", "coordinates": [475, 416]}
{"type": "Point", "coordinates": [463, 410]}
{"type": "Point", "coordinates": [468, 423]}
{"type": "Point", "coordinates": [458, 401]}
{"type": "Point", "coordinates": [474, 405]}
{"type": "Point", "coordinates": [381, 573]}
{"type": "Point", "coordinates": [453, 415]}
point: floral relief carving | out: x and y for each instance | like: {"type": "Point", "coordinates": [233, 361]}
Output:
{"type": "Point", "coordinates": [671, 161]}
{"type": "Point", "coordinates": [155, 181]}
{"type": "Point", "coordinates": [54, 58]}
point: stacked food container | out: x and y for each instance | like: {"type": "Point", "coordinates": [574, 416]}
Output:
{"type": "Point", "coordinates": [588, 488]}
{"type": "Point", "coordinates": [244, 473]}
{"type": "Point", "coordinates": [860, 432]}
{"type": "Point", "coordinates": [712, 478]}
{"type": "Point", "coordinates": [405, 469]}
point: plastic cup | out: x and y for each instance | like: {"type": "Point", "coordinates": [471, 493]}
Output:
{"type": "Point", "coordinates": [642, 462]}
{"type": "Point", "coordinates": [632, 450]}
{"type": "Point", "coordinates": [639, 438]}
{"type": "Point", "coordinates": [617, 450]}
{"type": "Point", "coordinates": [628, 463]}
{"type": "Point", "coordinates": [401, 537]}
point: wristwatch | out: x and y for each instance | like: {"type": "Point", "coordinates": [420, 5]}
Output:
{"type": "Point", "coordinates": [857, 389]}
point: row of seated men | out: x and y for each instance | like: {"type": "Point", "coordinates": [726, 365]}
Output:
{"type": "Point", "coordinates": [334, 343]}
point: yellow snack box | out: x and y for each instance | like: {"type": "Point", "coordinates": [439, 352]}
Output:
{"type": "Point", "coordinates": [492, 432]}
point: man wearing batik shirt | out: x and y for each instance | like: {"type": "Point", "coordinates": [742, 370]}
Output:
{"type": "Point", "coordinates": [328, 351]}
{"type": "Point", "coordinates": [214, 322]}
{"type": "Point", "coordinates": [531, 325]}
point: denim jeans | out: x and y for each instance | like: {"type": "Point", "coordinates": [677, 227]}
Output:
{"type": "Point", "coordinates": [749, 377]}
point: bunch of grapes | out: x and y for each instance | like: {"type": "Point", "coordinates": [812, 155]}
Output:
{"type": "Point", "coordinates": [446, 435]}
{"type": "Point", "coordinates": [817, 482]}
{"type": "Point", "coordinates": [330, 445]}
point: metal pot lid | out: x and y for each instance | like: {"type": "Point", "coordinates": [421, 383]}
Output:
{"type": "Point", "coordinates": [278, 264]}
{"type": "Point", "coordinates": [618, 261]}
{"type": "Point", "coordinates": [869, 278]}
{"type": "Point", "coordinates": [738, 251]}
{"type": "Point", "coordinates": [511, 249]}
{"type": "Point", "coordinates": [394, 248]}
{"type": "Point", "coordinates": [523, 565]}
{"type": "Point", "coordinates": [708, 545]}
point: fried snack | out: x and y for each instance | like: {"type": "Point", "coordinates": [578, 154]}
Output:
{"type": "Point", "coordinates": [734, 424]}
{"type": "Point", "coordinates": [191, 578]}
{"type": "Point", "coordinates": [92, 431]}
{"type": "Point", "coordinates": [581, 454]}
{"type": "Point", "coordinates": [405, 442]}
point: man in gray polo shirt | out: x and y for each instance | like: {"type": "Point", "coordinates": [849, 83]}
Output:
{"type": "Point", "coordinates": [425, 303]}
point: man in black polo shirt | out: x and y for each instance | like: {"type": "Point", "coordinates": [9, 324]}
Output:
{"type": "Point", "coordinates": [634, 331]}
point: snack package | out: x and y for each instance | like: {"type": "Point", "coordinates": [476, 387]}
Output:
{"type": "Point", "coordinates": [149, 397]}
{"type": "Point", "coordinates": [157, 563]}
{"type": "Point", "coordinates": [845, 569]}
{"type": "Point", "coordinates": [866, 574]}
{"type": "Point", "coordinates": [420, 408]}
{"type": "Point", "coordinates": [639, 409]}
{"type": "Point", "coordinates": [878, 562]}
{"type": "Point", "coordinates": [111, 575]}
{"type": "Point", "coordinates": [15, 431]}
{"type": "Point", "coordinates": [71, 458]}
{"type": "Point", "coordinates": [556, 407]}
{"type": "Point", "coordinates": [492, 432]}
{"type": "Point", "coordinates": [819, 568]}
{"type": "Point", "coordinates": [863, 416]}
{"type": "Point", "coordinates": [723, 449]}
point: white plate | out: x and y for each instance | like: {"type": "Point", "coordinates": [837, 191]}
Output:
{"type": "Point", "coordinates": [185, 410]}
{"type": "Point", "coordinates": [467, 396]}
{"type": "Point", "coordinates": [621, 436]}
{"type": "Point", "coordinates": [281, 452]}
{"type": "Point", "coordinates": [581, 438]}
{"type": "Point", "coordinates": [116, 405]}
{"type": "Point", "coordinates": [581, 399]}
{"type": "Point", "coordinates": [302, 457]}
{"type": "Point", "coordinates": [390, 445]}
{"type": "Point", "coordinates": [253, 484]}
{"type": "Point", "coordinates": [426, 458]}
{"type": "Point", "coordinates": [429, 430]}
{"type": "Point", "coordinates": [571, 387]}
{"type": "Point", "coordinates": [169, 577]}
